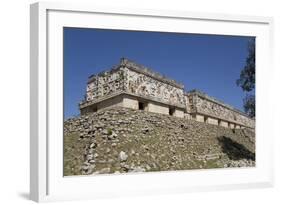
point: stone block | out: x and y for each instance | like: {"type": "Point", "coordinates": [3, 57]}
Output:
{"type": "Point", "coordinates": [158, 108]}
{"type": "Point", "coordinates": [178, 113]}
{"type": "Point", "coordinates": [111, 102]}
{"type": "Point", "coordinates": [223, 123]}
{"type": "Point", "coordinates": [212, 121]}
{"type": "Point", "coordinates": [130, 102]}
{"type": "Point", "coordinates": [187, 116]}
{"type": "Point", "coordinates": [237, 127]}
{"type": "Point", "coordinates": [199, 118]}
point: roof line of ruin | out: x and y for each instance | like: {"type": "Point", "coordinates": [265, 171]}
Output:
{"type": "Point", "coordinates": [140, 69]}
{"type": "Point", "coordinates": [212, 99]}
{"type": "Point", "coordinates": [112, 69]}
{"type": "Point", "coordinates": [147, 71]}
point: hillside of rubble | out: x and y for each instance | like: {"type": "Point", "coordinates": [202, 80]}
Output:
{"type": "Point", "coordinates": [121, 140]}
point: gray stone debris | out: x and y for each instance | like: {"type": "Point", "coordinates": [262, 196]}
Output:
{"type": "Point", "coordinates": [137, 169]}
{"type": "Point", "coordinates": [112, 136]}
{"type": "Point", "coordinates": [123, 156]}
{"type": "Point", "coordinates": [104, 170]}
{"type": "Point", "coordinates": [92, 161]}
{"type": "Point", "coordinates": [105, 132]}
{"type": "Point", "coordinates": [161, 142]}
{"type": "Point", "coordinates": [90, 156]}
{"type": "Point", "coordinates": [93, 145]}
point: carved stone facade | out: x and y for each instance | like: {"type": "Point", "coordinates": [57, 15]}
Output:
{"type": "Point", "coordinates": [216, 112]}
{"type": "Point", "coordinates": [147, 86]}
{"type": "Point", "coordinates": [134, 86]}
{"type": "Point", "coordinates": [105, 84]}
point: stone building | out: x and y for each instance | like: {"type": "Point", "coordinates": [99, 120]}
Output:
{"type": "Point", "coordinates": [203, 108]}
{"type": "Point", "coordinates": [134, 86]}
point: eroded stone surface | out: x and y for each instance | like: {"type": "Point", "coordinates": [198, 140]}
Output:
{"type": "Point", "coordinates": [151, 142]}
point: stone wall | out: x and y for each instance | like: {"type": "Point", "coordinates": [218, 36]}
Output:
{"type": "Point", "coordinates": [121, 140]}
{"type": "Point", "coordinates": [223, 123]}
{"type": "Point", "coordinates": [112, 102]}
{"type": "Point", "coordinates": [130, 102]}
{"type": "Point", "coordinates": [158, 108]}
{"type": "Point", "coordinates": [206, 105]}
{"type": "Point", "coordinates": [143, 85]}
{"type": "Point", "coordinates": [136, 84]}
{"type": "Point", "coordinates": [178, 113]}
{"type": "Point", "coordinates": [199, 118]}
{"type": "Point", "coordinates": [212, 121]}
{"type": "Point", "coordinates": [105, 83]}
{"type": "Point", "coordinates": [135, 79]}
{"type": "Point", "coordinates": [102, 102]}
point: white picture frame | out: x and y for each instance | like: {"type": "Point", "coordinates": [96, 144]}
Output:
{"type": "Point", "coordinates": [46, 178]}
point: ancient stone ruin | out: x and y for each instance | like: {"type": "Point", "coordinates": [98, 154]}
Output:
{"type": "Point", "coordinates": [134, 86]}
{"type": "Point", "coordinates": [122, 140]}
{"type": "Point", "coordinates": [135, 120]}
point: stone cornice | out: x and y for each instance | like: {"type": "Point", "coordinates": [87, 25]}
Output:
{"type": "Point", "coordinates": [84, 104]}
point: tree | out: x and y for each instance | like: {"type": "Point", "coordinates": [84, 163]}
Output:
{"type": "Point", "coordinates": [247, 80]}
{"type": "Point", "coordinates": [249, 104]}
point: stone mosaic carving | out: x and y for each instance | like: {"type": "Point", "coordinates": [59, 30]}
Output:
{"type": "Point", "coordinates": [203, 104]}
{"type": "Point", "coordinates": [143, 85]}
{"type": "Point", "coordinates": [105, 83]}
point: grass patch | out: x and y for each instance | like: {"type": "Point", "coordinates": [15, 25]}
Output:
{"type": "Point", "coordinates": [73, 155]}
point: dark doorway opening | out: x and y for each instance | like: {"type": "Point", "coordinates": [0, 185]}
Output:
{"type": "Point", "coordinates": [205, 119]}
{"type": "Point", "coordinates": [142, 106]}
{"type": "Point", "coordinates": [171, 111]}
{"type": "Point", "coordinates": [94, 109]}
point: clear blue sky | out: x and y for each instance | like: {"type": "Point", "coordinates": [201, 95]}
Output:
{"type": "Point", "coordinates": [210, 63]}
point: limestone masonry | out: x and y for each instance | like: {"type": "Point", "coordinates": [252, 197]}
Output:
{"type": "Point", "coordinates": [131, 85]}
{"type": "Point", "coordinates": [122, 140]}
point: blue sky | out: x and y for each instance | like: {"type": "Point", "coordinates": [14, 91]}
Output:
{"type": "Point", "coordinates": [210, 63]}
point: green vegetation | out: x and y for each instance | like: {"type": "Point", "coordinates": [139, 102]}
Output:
{"type": "Point", "coordinates": [109, 131]}
{"type": "Point", "coordinates": [247, 80]}
{"type": "Point", "coordinates": [73, 154]}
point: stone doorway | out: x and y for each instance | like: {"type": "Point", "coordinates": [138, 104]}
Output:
{"type": "Point", "coordinates": [142, 106]}
{"type": "Point", "coordinates": [94, 109]}
{"type": "Point", "coordinates": [172, 111]}
{"type": "Point", "coordinates": [205, 119]}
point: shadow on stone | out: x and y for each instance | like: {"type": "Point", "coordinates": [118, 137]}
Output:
{"type": "Point", "coordinates": [234, 150]}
